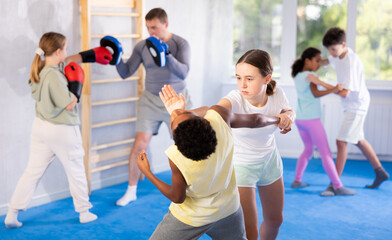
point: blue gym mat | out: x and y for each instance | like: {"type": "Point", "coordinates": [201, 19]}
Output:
{"type": "Point", "coordinates": [367, 215]}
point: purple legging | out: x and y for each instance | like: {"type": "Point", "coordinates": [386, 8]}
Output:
{"type": "Point", "coordinates": [313, 134]}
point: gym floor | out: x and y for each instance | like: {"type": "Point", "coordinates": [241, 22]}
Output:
{"type": "Point", "coordinates": [367, 215]}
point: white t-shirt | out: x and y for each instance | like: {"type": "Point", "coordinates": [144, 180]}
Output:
{"type": "Point", "coordinates": [349, 72]}
{"type": "Point", "coordinates": [255, 145]}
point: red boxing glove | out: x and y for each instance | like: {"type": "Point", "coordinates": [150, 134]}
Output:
{"type": "Point", "coordinates": [75, 76]}
{"type": "Point", "coordinates": [102, 55]}
{"type": "Point", "coordinates": [99, 54]}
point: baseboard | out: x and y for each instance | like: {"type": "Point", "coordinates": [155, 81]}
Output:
{"type": "Point", "coordinates": [316, 154]}
{"type": "Point", "coordinates": [47, 198]}
{"type": "Point", "coordinates": [289, 153]}
{"type": "Point", "coordinates": [98, 184]}
{"type": "Point", "coordinates": [382, 158]}
{"type": "Point", "coordinates": [40, 200]}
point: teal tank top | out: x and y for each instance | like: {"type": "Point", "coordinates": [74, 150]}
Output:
{"type": "Point", "coordinates": [308, 107]}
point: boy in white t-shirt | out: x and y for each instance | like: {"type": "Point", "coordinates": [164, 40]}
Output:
{"type": "Point", "coordinates": [355, 101]}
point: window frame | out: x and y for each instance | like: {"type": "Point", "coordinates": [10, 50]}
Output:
{"type": "Point", "coordinates": [289, 41]}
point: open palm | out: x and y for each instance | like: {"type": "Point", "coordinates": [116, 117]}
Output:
{"type": "Point", "coordinates": [171, 100]}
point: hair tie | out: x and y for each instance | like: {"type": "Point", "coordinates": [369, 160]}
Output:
{"type": "Point", "coordinates": [40, 53]}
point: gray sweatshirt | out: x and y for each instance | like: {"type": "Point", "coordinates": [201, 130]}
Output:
{"type": "Point", "coordinates": [174, 73]}
{"type": "Point", "coordinates": [52, 96]}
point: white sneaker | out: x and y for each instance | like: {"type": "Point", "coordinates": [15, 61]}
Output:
{"type": "Point", "coordinates": [12, 224]}
{"type": "Point", "coordinates": [87, 216]}
{"type": "Point", "coordinates": [11, 220]}
{"type": "Point", "coordinates": [129, 196]}
{"type": "Point", "coordinates": [126, 199]}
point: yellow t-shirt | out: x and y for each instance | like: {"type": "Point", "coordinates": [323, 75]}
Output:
{"type": "Point", "coordinates": [211, 192]}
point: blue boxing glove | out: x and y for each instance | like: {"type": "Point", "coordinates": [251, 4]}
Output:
{"type": "Point", "coordinates": [115, 45]}
{"type": "Point", "coordinates": [166, 48]}
{"type": "Point", "coordinates": [158, 50]}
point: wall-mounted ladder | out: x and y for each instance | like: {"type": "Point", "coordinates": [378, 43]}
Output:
{"type": "Point", "coordinates": [99, 155]}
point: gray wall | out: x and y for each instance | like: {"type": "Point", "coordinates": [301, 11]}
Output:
{"type": "Point", "coordinates": [22, 24]}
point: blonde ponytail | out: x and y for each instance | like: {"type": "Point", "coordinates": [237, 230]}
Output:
{"type": "Point", "coordinates": [36, 68]}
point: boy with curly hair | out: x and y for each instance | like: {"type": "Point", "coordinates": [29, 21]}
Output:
{"type": "Point", "coordinates": [203, 189]}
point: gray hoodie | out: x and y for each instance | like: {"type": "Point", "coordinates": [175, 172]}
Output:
{"type": "Point", "coordinates": [52, 96]}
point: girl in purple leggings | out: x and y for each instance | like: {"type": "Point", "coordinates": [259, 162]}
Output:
{"type": "Point", "coordinates": [309, 123]}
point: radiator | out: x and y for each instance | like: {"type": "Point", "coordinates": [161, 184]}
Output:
{"type": "Point", "coordinates": [378, 129]}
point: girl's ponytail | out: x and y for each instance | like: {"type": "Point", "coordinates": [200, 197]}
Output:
{"type": "Point", "coordinates": [271, 87]}
{"type": "Point", "coordinates": [36, 68]}
{"type": "Point", "coordinates": [297, 67]}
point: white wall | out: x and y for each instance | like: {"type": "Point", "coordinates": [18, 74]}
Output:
{"type": "Point", "coordinates": [23, 23]}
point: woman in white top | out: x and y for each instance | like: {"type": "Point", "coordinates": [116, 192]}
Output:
{"type": "Point", "coordinates": [256, 159]}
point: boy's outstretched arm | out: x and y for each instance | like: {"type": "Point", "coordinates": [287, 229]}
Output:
{"type": "Point", "coordinates": [287, 117]}
{"type": "Point", "coordinates": [236, 120]}
{"type": "Point", "coordinates": [324, 62]}
{"type": "Point", "coordinates": [173, 102]}
{"type": "Point", "coordinates": [344, 93]}
{"type": "Point", "coordinates": [175, 192]}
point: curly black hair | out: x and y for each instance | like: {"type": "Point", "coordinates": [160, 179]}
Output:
{"type": "Point", "coordinates": [195, 138]}
{"type": "Point", "coordinates": [334, 36]}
